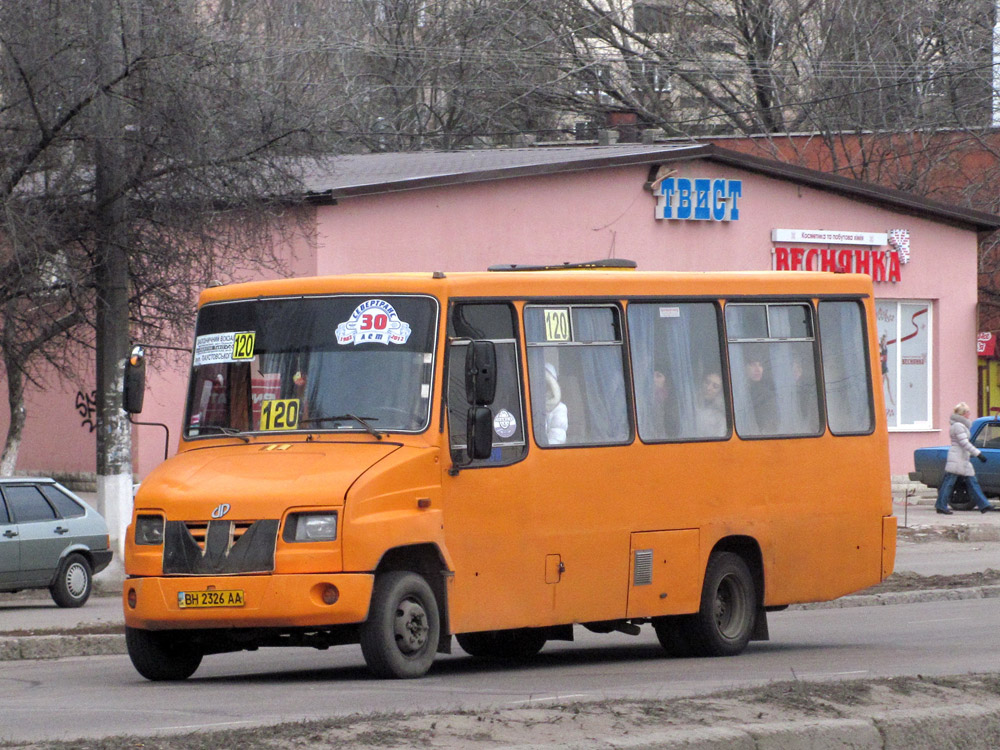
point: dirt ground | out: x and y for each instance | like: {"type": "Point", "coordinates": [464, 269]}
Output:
{"type": "Point", "coordinates": [572, 725]}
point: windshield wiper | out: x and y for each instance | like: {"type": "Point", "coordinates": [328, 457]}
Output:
{"type": "Point", "coordinates": [363, 421]}
{"type": "Point", "coordinates": [227, 431]}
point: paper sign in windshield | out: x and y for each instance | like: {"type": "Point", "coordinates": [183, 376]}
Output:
{"type": "Point", "coordinates": [374, 321]}
{"type": "Point", "coordinates": [218, 348]}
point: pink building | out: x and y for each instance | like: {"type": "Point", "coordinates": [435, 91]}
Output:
{"type": "Point", "coordinates": [683, 208]}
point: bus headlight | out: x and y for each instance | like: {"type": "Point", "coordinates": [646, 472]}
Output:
{"type": "Point", "coordinates": [149, 530]}
{"type": "Point", "coordinates": [311, 527]}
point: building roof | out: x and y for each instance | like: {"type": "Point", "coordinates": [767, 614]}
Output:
{"type": "Point", "coordinates": [352, 175]}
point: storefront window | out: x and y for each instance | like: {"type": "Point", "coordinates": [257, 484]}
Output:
{"type": "Point", "coordinates": [904, 334]}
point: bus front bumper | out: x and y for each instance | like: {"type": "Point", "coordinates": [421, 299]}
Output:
{"type": "Point", "coordinates": [267, 601]}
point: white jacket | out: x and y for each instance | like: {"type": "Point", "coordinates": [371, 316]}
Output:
{"type": "Point", "coordinates": [961, 447]}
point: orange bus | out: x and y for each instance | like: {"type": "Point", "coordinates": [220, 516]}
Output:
{"type": "Point", "coordinates": [393, 460]}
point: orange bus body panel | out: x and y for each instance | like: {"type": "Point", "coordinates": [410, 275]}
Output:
{"type": "Point", "coordinates": [551, 539]}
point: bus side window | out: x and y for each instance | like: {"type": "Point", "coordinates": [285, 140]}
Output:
{"type": "Point", "coordinates": [576, 375]}
{"type": "Point", "coordinates": [772, 355]}
{"type": "Point", "coordinates": [846, 371]}
{"type": "Point", "coordinates": [490, 322]}
{"type": "Point", "coordinates": [677, 371]}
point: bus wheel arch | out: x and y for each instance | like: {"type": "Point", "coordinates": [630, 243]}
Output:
{"type": "Point", "coordinates": [427, 561]}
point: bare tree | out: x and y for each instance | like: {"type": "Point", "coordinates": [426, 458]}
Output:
{"type": "Point", "coordinates": [164, 141]}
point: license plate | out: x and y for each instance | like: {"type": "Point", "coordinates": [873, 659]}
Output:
{"type": "Point", "coordinates": [199, 599]}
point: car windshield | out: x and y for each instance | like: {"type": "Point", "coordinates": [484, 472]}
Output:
{"type": "Point", "coordinates": [361, 363]}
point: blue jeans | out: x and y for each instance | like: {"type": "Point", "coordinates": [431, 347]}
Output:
{"type": "Point", "coordinates": [948, 486]}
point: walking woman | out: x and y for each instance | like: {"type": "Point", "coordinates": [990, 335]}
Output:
{"type": "Point", "coordinates": [959, 465]}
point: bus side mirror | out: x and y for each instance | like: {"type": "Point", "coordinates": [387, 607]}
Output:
{"type": "Point", "coordinates": [479, 433]}
{"type": "Point", "coordinates": [135, 381]}
{"type": "Point", "coordinates": [481, 373]}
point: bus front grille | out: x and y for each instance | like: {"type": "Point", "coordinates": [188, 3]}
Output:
{"type": "Point", "coordinates": [219, 547]}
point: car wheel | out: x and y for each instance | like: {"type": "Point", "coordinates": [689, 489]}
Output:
{"type": "Point", "coordinates": [724, 623]}
{"type": "Point", "coordinates": [73, 582]}
{"type": "Point", "coordinates": [400, 637]}
{"type": "Point", "coordinates": [502, 645]}
{"type": "Point", "coordinates": [161, 655]}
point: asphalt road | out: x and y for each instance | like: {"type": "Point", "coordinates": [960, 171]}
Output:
{"type": "Point", "coordinates": [97, 696]}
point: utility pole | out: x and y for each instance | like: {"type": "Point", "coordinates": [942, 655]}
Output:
{"type": "Point", "coordinates": [114, 437]}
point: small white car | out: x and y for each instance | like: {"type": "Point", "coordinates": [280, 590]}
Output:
{"type": "Point", "coordinates": [50, 539]}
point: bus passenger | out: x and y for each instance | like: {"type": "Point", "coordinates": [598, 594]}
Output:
{"type": "Point", "coordinates": [762, 403]}
{"type": "Point", "coordinates": [804, 400]}
{"type": "Point", "coordinates": [664, 409]}
{"type": "Point", "coordinates": [556, 417]}
{"type": "Point", "coordinates": [709, 414]}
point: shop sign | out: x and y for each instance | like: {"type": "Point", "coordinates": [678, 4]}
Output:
{"type": "Point", "coordinates": [986, 344]}
{"type": "Point", "coordinates": [881, 265]}
{"type": "Point", "coordinates": [700, 199]}
{"type": "Point", "coordinates": [886, 253]}
{"type": "Point", "coordinates": [827, 237]}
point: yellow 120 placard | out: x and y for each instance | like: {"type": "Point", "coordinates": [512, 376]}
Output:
{"type": "Point", "coordinates": [279, 414]}
{"type": "Point", "coordinates": [556, 324]}
{"type": "Point", "coordinates": [243, 345]}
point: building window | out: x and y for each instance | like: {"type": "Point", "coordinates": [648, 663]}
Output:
{"type": "Point", "coordinates": [651, 18]}
{"type": "Point", "coordinates": [904, 338]}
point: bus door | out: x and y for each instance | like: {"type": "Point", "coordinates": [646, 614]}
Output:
{"type": "Point", "coordinates": [498, 582]}
{"type": "Point", "coordinates": [580, 465]}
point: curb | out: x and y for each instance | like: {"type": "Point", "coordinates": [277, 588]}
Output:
{"type": "Point", "coordinates": [905, 597]}
{"type": "Point", "coordinates": [60, 646]}
{"type": "Point", "coordinates": [969, 728]}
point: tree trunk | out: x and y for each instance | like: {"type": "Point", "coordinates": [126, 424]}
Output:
{"type": "Point", "coordinates": [114, 437]}
{"type": "Point", "coordinates": [18, 414]}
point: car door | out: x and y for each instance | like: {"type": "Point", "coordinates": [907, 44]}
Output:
{"type": "Point", "coordinates": [42, 535]}
{"type": "Point", "coordinates": [988, 441]}
{"type": "Point", "coordinates": [9, 548]}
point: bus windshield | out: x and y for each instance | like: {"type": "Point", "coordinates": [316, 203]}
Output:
{"type": "Point", "coordinates": [354, 363]}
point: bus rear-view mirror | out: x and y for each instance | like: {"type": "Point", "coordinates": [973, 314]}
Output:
{"type": "Point", "coordinates": [479, 433]}
{"type": "Point", "coordinates": [134, 388]}
{"type": "Point", "coordinates": [481, 373]}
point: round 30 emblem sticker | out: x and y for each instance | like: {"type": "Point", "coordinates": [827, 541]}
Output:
{"type": "Point", "coordinates": [504, 423]}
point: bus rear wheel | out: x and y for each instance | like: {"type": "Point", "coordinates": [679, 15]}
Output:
{"type": "Point", "coordinates": [400, 637]}
{"type": "Point", "coordinates": [724, 623]}
{"type": "Point", "coordinates": [161, 655]}
{"type": "Point", "coordinates": [504, 645]}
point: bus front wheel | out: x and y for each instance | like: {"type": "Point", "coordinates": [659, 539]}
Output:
{"type": "Point", "coordinates": [724, 623]}
{"type": "Point", "coordinates": [503, 645]}
{"type": "Point", "coordinates": [160, 655]}
{"type": "Point", "coordinates": [400, 637]}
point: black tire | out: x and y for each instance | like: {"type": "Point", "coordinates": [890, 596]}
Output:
{"type": "Point", "coordinates": [672, 634]}
{"type": "Point", "coordinates": [503, 645]}
{"type": "Point", "coordinates": [161, 655]}
{"type": "Point", "coordinates": [400, 637]}
{"type": "Point", "coordinates": [960, 497]}
{"type": "Point", "coordinates": [73, 582]}
{"type": "Point", "coordinates": [725, 621]}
